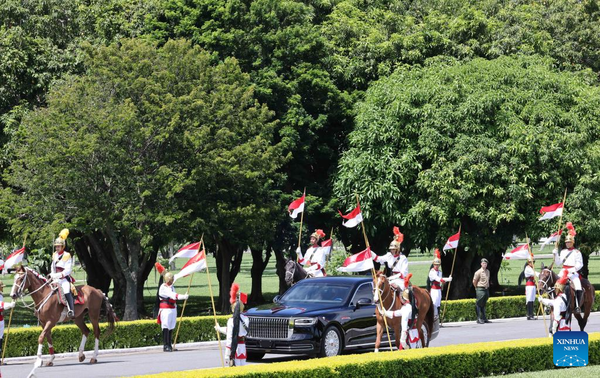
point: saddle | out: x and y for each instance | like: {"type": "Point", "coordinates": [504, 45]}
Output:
{"type": "Point", "coordinates": [78, 297]}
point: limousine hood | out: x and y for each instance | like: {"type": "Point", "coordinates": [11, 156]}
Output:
{"type": "Point", "coordinates": [283, 310]}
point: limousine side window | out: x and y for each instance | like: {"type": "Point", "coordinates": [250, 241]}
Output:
{"type": "Point", "coordinates": [364, 291]}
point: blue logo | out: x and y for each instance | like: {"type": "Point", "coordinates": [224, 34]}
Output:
{"type": "Point", "coordinates": [571, 348]}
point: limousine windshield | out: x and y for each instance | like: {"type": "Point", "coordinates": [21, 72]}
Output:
{"type": "Point", "coordinates": [313, 291]}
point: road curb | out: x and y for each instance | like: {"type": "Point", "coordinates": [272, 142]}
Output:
{"type": "Point", "coordinates": [186, 346]}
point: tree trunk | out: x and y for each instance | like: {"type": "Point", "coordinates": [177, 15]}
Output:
{"type": "Point", "coordinates": [462, 277]}
{"type": "Point", "coordinates": [97, 276]}
{"type": "Point", "coordinates": [229, 261]}
{"type": "Point", "coordinates": [280, 270]}
{"type": "Point", "coordinates": [258, 268]}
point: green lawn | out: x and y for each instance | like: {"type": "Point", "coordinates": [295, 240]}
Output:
{"type": "Point", "coordinates": [199, 303]}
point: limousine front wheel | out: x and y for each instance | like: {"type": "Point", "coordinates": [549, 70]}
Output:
{"type": "Point", "coordinates": [331, 343]}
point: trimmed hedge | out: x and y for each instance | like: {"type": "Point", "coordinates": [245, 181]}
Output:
{"type": "Point", "coordinates": [467, 360]}
{"type": "Point", "coordinates": [140, 333]}
{"type": "Point", "coordinates": [23, 341]}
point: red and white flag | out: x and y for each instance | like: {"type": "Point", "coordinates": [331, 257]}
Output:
{"type": "Point", "coordinates": [14, 258]}
{"type": "Point", "coordinates": [325, 247]}
{"type": "Point", "coordinates": [550, 239]}
{"type": "Point", "coordinates": [549, 212]}
{"type": "Point", "coordinates": [358, 262]}
{"type": "Point", "coordinates": [353, 218]}
{"type": "Point", "coordinates": [521, 252]}
{"type": "Point", "coordinates": [195, 264]}
{"type": "Point", "coordinates": [296, 207]}
{"type": "Point", "coordinates": [452, 242]}
{"type": "Point", "coordinates": [188, 251]}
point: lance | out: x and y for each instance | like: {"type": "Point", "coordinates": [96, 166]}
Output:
{"type": "Point", "coordinates": [187, 293]}
{"type": "Point", "coordinates": [560, 227]}
{"type": "Point", "coordinates": [212, 300]}
{"type": "Point", "coordinates": [387, 331]}
{"type": "Point", "coordinates": [450, 283]}
{"type": "Point", "coordinates": [9, 321]}
{"type": "Point", "coordinates": [535, 279]}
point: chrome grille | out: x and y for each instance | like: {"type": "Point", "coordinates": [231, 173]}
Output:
{"type": "Point", "coordinates": [269, 328]}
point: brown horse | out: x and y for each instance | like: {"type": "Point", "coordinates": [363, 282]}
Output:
{"type": "Point", "coordinates": [50, 311]}
{"type": "Point", "coordinates": [390, 302]}
{"type": "Point", "coordinates": [546, 283]}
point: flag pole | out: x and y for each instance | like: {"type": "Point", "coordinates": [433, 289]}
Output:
{"type": "Point", "coordinates": [362, 225]}
{"type": "Point", "coordinates": [187, 293]}
{"type": "Point", "coordinates": [9, 319]}
{"type": "Point", "coordinates": [301, 220]}
{"type": "Point", "coordinates": [212, 299]}
{"type": "Point", "coordinates": [450, 283]}
{"type": "Point", "coordinates": [559, 227]}
{"type": "Point", "coordinates": [536, 284]}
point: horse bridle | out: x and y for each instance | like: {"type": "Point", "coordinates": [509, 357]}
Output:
{"type": "Point", "coordinates": [549, 290]}
{"type": "Point", "coordinates": [22, 296]}
{"type": "Point", "coordinates": [381, 300]}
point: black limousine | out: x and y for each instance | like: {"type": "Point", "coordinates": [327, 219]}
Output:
{"type": "Point", "coordinates": [317, 316]}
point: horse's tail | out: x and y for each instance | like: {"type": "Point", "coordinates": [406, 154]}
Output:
{"type": "Point", "coordinates": [110, 315]}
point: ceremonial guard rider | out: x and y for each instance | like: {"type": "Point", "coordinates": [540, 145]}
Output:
{"type": "Point", "coordinates": [395, 260]}
{"type": "Point", "coordinates": [436, 279]}
{"type": "Point", "coordinates": [3, 306]}
{"type": "Point", "coordinates": [314, 259]}
{"type": "Point", "coordinates": [61, 269]}
{"type": "Point", "coordinates": [572, 262]}
{"type": "Point", "coordinates": [236, 330]}
{"type": "Point", "coordinates": [407, 319]}
{"type": "Point", "coordinates": [167, 313]}
{"type": "Point", "coordinates": [560, 306]}
{"type": "Point", "coordinates": [530, 289]}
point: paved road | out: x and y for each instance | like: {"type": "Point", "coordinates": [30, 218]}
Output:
{"type": "Point", "coordinates": [205, 355]}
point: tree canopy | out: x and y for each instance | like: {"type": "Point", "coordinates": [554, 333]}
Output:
{"type": "Point", "coordinates": [483, 144]}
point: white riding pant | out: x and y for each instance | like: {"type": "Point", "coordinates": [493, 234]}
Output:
{"type": "Point", "coordinates": [529, 294]}
{"type": "Point", "coordinates": [574, 277]}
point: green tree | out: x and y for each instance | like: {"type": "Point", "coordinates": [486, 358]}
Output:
{"type": "Point", "coordinates": [482, 144]}
{"type": "Point", "coordinates": [150, 145]}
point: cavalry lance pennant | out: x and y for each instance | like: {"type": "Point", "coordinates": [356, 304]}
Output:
{"type": "Point", "coordinates": [358, 262]}
{"type": "Point", "coordinates": [521, 252]}
{"type": "Point", "coordinates": [188, 251]}
{"type": "Point", "coordinates": [325, 247]}
{"type": "Point", "coordinates": [13, 259]}
{"type": "Point", "coordinates": [551, 239]}
{"type": "Point", "coordinates": [296, 207]}
{"type": "Point", "coordinates": [452, 242]}
{"type": "Point", "coordinates": [195, 264]}
{"type": "Point", "coordinates": [353, 218]}
{"type": "Point", "coordinates": [549, 212]}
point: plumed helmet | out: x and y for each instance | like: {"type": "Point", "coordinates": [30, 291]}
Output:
{"type": "Point", "coordinates": [394, 245]}
{"type": "Point", "coordinates": [437, 259]}
{"type": "Point", "coordinates": [169, 277]}
{"type": "Point", "coordinates": [318, 234]}
{"type": "Point", "coordinates": [62, 237]}
{"type": "Point", "coordinates": [405, 295]}
{"type": "Point", "coordinates": [560, 284]}
{"type": "Point", "coordinates": [234, 294]}
{"type": "Point", "coordinates": [570, 238]}
{"type": "Point", "coordinates": [571, 235]}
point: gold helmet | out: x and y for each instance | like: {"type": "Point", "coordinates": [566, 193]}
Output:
{"type": "Point", "coordinates": [59, 241]}
{"type": "Point", "coordinates": [571, 234]}
{"type": "Point", "coordinates": [437, 261]}
{"type": "Point", "coordinates": [169, 277]}
{"type": "Point", "coordinates": [405, 295]}
{"type": "Point", "coordinates": [394, 245]}
{"type": "Point", "coordinates": [62, 236]}
{"type": "Point", "coordinates": [560, 284]}
{"type": "Point", "coordinates": [318, 234]}
{"type": "Point", "coordinates": [570, 238]}
{"type": "Point", "coordinates": [438, 257]}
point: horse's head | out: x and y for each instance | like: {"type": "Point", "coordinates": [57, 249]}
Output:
{"type": "Point", "coordinates": [380, 285]}
{"type": "Point", "coordinates": [26, 280]}
{"type": "Point", "coordinates": [20, 283]}
{"type": "Point", "coordinates": [546, 281]}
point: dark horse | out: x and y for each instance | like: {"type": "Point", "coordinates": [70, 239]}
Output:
{"type": "Point", "coordinates": [390, 302]}
{"type": "Point", "coordinates": [294, 272]}
{"type": "Point", "coordinates": [546, 283]}
{"type": "Point", "coordinates": [49, 310]}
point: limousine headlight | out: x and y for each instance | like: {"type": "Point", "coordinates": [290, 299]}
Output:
{"type": "Point", "coordinates": [305, 322]}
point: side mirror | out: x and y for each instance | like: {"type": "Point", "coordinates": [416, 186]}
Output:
{"type": "Point", "coordinates": [276, 299]}
{"type": "Point", "coordinates": [363, 302]}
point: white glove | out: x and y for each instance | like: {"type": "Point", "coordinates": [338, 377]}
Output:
{"type": "Point", "coordinates": [9, 305]}
{"type": "Point", "coordinates": [555, 251]}
{"type": "Point", "coordinates": [298, 250]}
{"type": "Point", "coordinates": [447, 279]}
{"type": "Point", "coordinates": [388, 314]}
{"type": "Point", "coordinates": [183, 296]}
{"type": "Point", "coordinates": [55, 276]}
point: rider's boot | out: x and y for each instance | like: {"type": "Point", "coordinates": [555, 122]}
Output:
{"type": "Point", "coordinates": [70, 305]}
{"type": "Point", "coordinates": [167, 344]}
{"type": "Point", "coordinates": [579, 295]}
